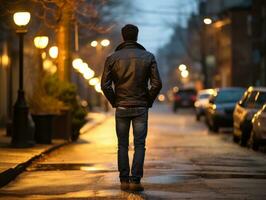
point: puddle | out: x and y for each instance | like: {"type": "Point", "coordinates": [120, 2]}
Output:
{"type": "Point", "coordinates": [230, 176]}
{"type": "Point", "coordinates": [176, 179]}
{"type": "Point", "coordinates": [69, 166]}
{"type": "Point", "coordinates": [167, 179]}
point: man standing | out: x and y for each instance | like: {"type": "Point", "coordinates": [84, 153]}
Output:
{"type": "Point", "coordinates": [133, 72]}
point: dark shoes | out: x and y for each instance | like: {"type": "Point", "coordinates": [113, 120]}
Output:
{"type": "Point", "coordinates": [133, 187]}
{"type": "Point", "coordinates": [136, 187]}
{"type": "Point", "coordinates": [124, 186]}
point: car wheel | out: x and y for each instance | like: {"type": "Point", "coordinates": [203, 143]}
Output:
{"type": "Point", "coordinates": [253, 142]}
{"type": "Point", "coordinates": [243, 140]}
{"type": "Point", "coordinates": [175, 108]}
{"type": "Point", "coordinates": [197, 117]}
{"type": "Point", "coordinates": [235, 139]}
{"type": "Point", "coordinates": [214, 125]}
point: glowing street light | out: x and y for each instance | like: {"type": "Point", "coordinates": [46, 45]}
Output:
{"type": "Point", "coordinates": [53, 52]}
{"type": "Point", "coordinates": [76, 63]}
{"type": "Point", "coordinates": [94, 81]}
{"type": "Point", "coordinates": [161, 98]}
{"type": "Point", "coordinates": [83, 68]}
{"type": "Point", "coordinates": [22, 135]}
{"type": "Point", "coordinates": [21, 18]}
{"type": "Point", "coordinates": [207, 20]}
{"type": "Point", "coordinates": [105, 42]}
{"type": "Point", "coordinates": [94, 43]}
{"type": "Point", "coordinates": [5, 60]}
{"type": "Point", "coordinates": [41, 42]}
{"type": "Point", "coordinates": [97, 87]}
{"type": "Point", "coordinates": [184, 74]}
{"type": "Point", "coordinates": [182, 67]}
{"type": "Point", "coordinates": [88, 74]}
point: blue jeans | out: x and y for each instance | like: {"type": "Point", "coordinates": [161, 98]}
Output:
{"type": "Point", "coordinates": [139, 118]}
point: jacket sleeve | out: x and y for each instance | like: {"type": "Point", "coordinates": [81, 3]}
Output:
{"type": "Point", "coordinates": [106, 83]}
{"type": "Point", "coordinates": [155, 82]}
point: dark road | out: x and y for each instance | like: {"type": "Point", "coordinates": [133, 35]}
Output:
{"type": "Point", "coordinates": [183, 161]}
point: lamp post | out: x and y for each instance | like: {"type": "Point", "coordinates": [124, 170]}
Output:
{"type": "Point", "coordinates": [23, 134]}
{"type": "Point", "coordinates": [205, 22]}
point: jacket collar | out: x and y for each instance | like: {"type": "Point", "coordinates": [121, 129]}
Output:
{"type": "Point", "coordinates": [129, 45]}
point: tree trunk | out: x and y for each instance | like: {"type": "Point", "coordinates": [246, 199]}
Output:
{"type": "Point", "coordinates": [63, 41]}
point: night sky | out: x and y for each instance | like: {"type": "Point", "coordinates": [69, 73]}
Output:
{"type": "Point", "coordinates": [155, 19]}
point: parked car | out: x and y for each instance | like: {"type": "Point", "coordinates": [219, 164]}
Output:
{"type": "Point", "coordinates": [258, 133]}
{"type": "Point", "coordinates": [201, 102]}
{"type": "Point", "coordinates": [184, 98]}
{"type": "Point", "coordinates": [253, 99]}
{"type": "Point", "coordinates": [219, 112]}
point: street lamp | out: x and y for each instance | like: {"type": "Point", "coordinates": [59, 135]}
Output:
{"type": "Point", "coordinates": [21, 19]}
{"type": "Point", "coordinates": [53, 52]}
{"type": "Point", "coordinates": [88, 74]}
{"type": "Point", "coordinates": [76, 63]}
{"type": "Point", "coordinates": [184, 74]}
{"type": "Point", "coordinates": [23, 134]}
{"type": "Point", "coordinates": [105, 42]}
{"type": "Point", "coordinates": [94, 43]}
{"type": "Point", "coordinates": [94, 81]}
{"type": "Point", "coordinates": [207, 21]}
{"type": "Point", "coordinates": [97, 87]}
{"type": "Point", "coordinates": [40, 43]}
{"type": "Point", "coordinates": [182, 67]}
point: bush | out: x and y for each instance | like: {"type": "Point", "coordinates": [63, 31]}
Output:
{"type": "Point", "coordinates": [67, 93]}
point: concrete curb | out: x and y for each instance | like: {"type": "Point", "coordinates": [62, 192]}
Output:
{"type": "Point", "coordinates": [11, 173]}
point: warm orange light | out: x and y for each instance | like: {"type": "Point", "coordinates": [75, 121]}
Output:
{"type": "Point", "coordinates": [94, 43]}
{"type": "Point", "coordinates": [21, 18]}
{"type": "Point", "coordinates": [98, 88]}
{"type": "Point", "coordinates": [41, 42]}
{"type": "Point", "coordinates": [105, 42]}
{"type": "Point", "coordinates": [161, 97]}
{"type": "Point", "coordinates": [5, 60]}
{"type": "Point", "coordinates": [76, 63]}
{"type": "Point", "coordinates": [53, 52]}
{"type": "Point", "coordinates": [207, 20]}
{"type": "Point", "coordinates": [94, 81]}
{"type": "Point", "coordinates": [88, 74]}
{"type": "Point", "coordinates": [184, 74]}
{"type": "Point", "coordinates": [182, 67]}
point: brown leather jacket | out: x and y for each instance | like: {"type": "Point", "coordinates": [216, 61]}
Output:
{"type": "Point", "coordinates": [131, 69]}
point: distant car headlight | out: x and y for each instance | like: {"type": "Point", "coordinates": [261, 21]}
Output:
{"type": "Point", "coordinates": [197, 104]}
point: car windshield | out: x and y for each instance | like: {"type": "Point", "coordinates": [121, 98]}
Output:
{"type": "Point", "coordinates": [204, 96]}
{"type": "Point", "coordinates": [229, 96]}
{"type": "Point", "coordinates": [186, 92]}
{"type": "Point", "coordinates": [255, 99]}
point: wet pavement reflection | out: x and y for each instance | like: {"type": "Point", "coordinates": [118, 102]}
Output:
{"type": "Point", "coordinates": [183, 161]}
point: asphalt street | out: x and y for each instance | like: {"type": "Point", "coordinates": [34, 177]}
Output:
{"type": "Point", "coordinates": [183, 161]}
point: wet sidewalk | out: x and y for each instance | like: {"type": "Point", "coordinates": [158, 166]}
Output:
{"type": "Point", "coordinates": [13, 161]}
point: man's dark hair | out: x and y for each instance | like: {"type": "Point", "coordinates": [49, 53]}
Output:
{"type": "Point", "coordinates": [130, 32]}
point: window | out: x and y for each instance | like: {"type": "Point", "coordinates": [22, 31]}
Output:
{"type": "Point", "coordinates": [255, 100]}
{"type": "Point", "coordinates": [229, 96]}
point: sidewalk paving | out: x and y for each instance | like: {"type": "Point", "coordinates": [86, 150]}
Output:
{"type": "Point", "coordinates": [14, 161]}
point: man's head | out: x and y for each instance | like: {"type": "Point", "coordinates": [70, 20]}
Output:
{"type": "Point", "coordinates": [130, 32]}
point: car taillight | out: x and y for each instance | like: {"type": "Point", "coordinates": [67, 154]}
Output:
{"type": "Point", "coordinates": [177, 97]}
{"type": "Point", "coordinates": [193, 98]}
